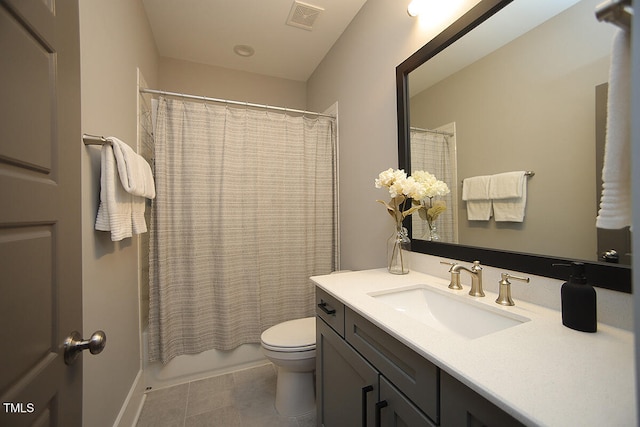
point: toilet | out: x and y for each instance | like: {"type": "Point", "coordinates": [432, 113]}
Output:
{"type": "Point", "coordinates": [291, 347]}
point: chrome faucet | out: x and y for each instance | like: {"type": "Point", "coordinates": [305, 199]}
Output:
{"type": "Point", "coordinates": [476, 277]}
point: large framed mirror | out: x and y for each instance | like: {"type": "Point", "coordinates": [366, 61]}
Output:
{"type": "Point", "coordinates": [516, 85]}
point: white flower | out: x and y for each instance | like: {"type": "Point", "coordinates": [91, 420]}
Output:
{"type": "Point", "coordinates": [389, 177]}
{"type": "Point", "coordinates": [419, 186]}
{"type": "Point", "coordinates": [414, 189]}
{"type": "Point", "coordinates": [433, 186]}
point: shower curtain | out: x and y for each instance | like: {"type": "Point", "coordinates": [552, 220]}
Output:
{"type": "Point", "coordinates": [245, 212]}
{"type": "Point", "coordinates": [432, 152]}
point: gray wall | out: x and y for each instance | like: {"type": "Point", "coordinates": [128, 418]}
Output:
{"type": "Point", "coordinates": [217, 82]}
{"type": "Point", "coordinates": [115, 40]}
{"type": "Point", "coordinates": [359, 73]}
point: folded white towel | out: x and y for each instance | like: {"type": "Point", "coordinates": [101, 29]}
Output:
{"type": "Point", "coordinates": [506, 185]}
{"type": "Point", "coordinates": [615, 203]}
{"type": "Point", "coordinates": [476, 188]}
{"type": "Point", "coordinates": [511, 209]}
{"type": "Point", "coordinates": [475, 191]}
{"type": "Point", "coordinates": [135, 172]}
{"type": "Point", "coordinates": [115, 210]}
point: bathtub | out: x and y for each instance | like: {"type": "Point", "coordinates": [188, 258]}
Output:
{"type": "Point", "coordinates": [187, 368]}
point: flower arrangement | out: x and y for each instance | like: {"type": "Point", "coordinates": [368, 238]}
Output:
{"type": "Point", "coordinates": [432, 188]}
{"type": "Point", "coordinates": [421, 185]}
{"type": "Point", "coordinates": [400, 188]}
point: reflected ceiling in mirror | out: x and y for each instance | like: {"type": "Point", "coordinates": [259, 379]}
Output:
{"type": "Point", "coordinates": [516, 93]}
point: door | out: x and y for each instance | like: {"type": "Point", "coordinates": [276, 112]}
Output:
{"type": "Point", "coordinates": [346, 385]}
{"type": "Point", "coordinates": [395, 410]}
{"type": "Point", "coordinates": [40, 232]}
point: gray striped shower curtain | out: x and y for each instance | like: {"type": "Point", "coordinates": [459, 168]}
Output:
{"type": "Point", "coordinates": [245, 212]}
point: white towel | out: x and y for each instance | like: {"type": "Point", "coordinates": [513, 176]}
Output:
{"type": "Point", "coordinates": [135, 172]}
{"type": "Point", "coordinates": [615, 203]}
{"type": "Point", "coordinates": [115, 210]}
{"type": "Point", "coordinates": [475, 191]}
{"type": "Point", "coordinates": [506, 185]}
{"type": "Point", "coordinates": [125, 181]}
{"type": "Point", "coordinates": [509, 194]}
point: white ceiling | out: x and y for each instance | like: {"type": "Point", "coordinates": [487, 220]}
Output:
{"type": "Point", "coordinates": [205, 31]}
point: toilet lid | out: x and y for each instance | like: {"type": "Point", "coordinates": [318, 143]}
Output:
{"type": "Point", "coordinates": [292, 335]}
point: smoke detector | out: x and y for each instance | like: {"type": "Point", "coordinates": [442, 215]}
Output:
{"type": "Point", "coordinates": [303, 15]}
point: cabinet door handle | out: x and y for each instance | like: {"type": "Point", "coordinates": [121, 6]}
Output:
{"type": "Point", "coordinates": [365, 391]}
{"type": "Point", "coordinates": [323, 306]}
{"type": "Point", "coordinates": [379, 407]}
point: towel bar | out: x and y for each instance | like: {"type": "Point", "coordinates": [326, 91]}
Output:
{"type": "Point", "coordinates": [94, 139]}
{"type": "Point", "coordinates": [527, 173]}
{"type": "Point", "coordinates": [617, 12]}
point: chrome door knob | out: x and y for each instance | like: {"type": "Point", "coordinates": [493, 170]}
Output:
{"type": "Point", "coordinates": [74, 344]}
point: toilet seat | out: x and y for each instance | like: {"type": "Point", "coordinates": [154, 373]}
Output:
{"type": "Point", "coordinates": [292, 336]}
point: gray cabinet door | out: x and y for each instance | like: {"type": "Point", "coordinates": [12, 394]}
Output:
{"type": "Point", "coordinates": [395, 410]}
{"type": "Point", "coordinates": [347, 386]}
{"type": "Point", "coordinates": [462, 407]}
{"type": "Point", "coordinates": [40, 223]}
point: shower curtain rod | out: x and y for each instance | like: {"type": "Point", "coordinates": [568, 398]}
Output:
{"type": "Point", "coordinates": [439, 132]}
{"type": "Point", "coordinates": [617, 12]}
{"type": "Point", "coordinates": [226, 101]}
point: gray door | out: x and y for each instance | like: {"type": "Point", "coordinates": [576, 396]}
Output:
{"type": "Point", "coordinates": [40, 233]}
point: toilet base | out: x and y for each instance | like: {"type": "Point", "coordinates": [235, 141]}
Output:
{"type": "Point", "coordinates": [295, 393]}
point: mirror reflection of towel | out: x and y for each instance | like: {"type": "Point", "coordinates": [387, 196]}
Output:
{"type": "Point", "coordinates": [509, 194]}
{"type": "Point", "coordinates": [615, 203]}
{"type": "Point", "coordinates": [475, 191]}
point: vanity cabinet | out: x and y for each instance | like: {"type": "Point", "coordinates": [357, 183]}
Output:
{"type": "Point", "coordinates": [351, 392]}
{"type": "Point", "coordinates": [366, 377]}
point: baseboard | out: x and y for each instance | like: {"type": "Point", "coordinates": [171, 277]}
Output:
{"type": "Point", "coordinates": [132, 406]}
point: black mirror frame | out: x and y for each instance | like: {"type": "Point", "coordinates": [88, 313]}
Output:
{"type": "Point", "coordinates": [610, 276]}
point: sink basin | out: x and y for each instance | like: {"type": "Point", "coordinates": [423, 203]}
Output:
{"type": "Point", "coordinates": [445, 312]}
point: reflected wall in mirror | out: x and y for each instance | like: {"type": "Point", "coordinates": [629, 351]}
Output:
{"type": "Point", "coordinates": [516, 93]}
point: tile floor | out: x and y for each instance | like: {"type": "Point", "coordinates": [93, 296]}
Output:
{"type": "Point", "coordinates": [243, 398]}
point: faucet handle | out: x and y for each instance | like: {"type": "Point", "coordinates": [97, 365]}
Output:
{"type": "Point", "coordinates": [452, 264]}
{"type": "Point", "coordinates": [455, 276]}
{"type": "Point", "coordinates": [504, 297]}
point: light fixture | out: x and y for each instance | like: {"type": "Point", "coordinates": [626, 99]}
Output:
{"type": "Point", "coordinates": [416, 7]}
{"type": "Point", "coordinates": [244, 50]}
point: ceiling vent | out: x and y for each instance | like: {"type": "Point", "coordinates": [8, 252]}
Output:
{"type": "Point", "coordinates": [303, 15]}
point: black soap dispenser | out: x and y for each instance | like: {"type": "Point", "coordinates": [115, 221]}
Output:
{"type": "Point", "coordinates": [579, 301]}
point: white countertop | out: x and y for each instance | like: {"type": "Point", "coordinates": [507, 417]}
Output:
{"type": "Point", "coordinates": [540, 371]}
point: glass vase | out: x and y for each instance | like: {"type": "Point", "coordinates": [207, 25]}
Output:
{"type": "Point", "coordinates": [432, 233]}
{"type": "Point", "coordinates": [398, 248]}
